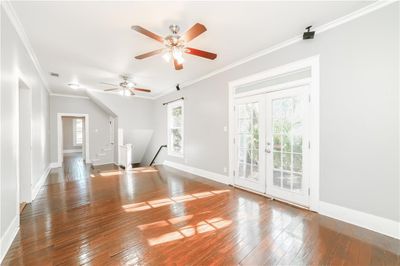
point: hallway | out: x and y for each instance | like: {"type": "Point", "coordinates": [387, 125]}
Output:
{"type": "Point", "coordinates": [163, 216]}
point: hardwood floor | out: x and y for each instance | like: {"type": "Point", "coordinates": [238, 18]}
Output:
{"type": "Point", "coordinates": [158, 216]}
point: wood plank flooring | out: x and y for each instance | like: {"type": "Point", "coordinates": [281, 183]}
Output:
{"type": "Point", "coordinates": [161, 216]}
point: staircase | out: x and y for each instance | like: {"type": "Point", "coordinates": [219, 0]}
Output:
{"type": "Point", "coordinates": [105, 155]}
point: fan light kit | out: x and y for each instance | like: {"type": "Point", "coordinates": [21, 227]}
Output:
{"type": "Point", "coordinates": [126, 87]}
{"type": "Point", "coordinates": [175, 45]}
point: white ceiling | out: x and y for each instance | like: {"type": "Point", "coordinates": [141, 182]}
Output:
{"type": "Point", "coordinates": [91, 42]}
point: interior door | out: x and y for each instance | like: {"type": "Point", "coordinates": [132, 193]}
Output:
{"type": "Point", "coordinates": [249, 143]}
{"type": "Point", "coordinates": [287, 145]}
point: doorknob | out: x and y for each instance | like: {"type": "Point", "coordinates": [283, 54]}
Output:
{"type": "Point", "coordinates": [268, 147]}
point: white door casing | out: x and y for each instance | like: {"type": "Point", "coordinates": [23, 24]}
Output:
{"type": "Point", "coordinates": [312, 64]}
{"type": "Point", "coordinates": [60, 137]}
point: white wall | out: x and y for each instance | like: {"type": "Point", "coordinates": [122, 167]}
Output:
{"type": "Point", "coordinates": [99, 134]}
{"type": "Point", "coordinates": [359, 113]}
{"type": "Point", "coordinates": [16, 65]}
{"type": "Point", "coordinates": [135, 117]}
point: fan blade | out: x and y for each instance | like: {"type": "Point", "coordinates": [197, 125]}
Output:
{"type": "Point", "coordinates": [142, 56]}
{"type": "Point", "coordinates": [141, 89]}
{"type": "Point", "coordinates": [113, 89]}
{"type": "Point", "coordinates": [200, 53]}
{"type": "Point", "coordinates": [148, 33]}
{"type": "Point", "coordinates": [177, 65]}
{"type": "Point", "coordinates": [105, 83]}
{"type": "Point", "coordinates": [193, 32]}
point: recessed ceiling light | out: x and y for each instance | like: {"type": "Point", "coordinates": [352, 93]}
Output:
{"type": "Point", "coordinates": [74, 86]}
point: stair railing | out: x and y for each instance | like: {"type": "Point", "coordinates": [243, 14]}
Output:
{"type": "Point", "coordinates": [155, 156]}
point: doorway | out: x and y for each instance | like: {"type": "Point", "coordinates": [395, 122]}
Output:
{"type": "Point", "coordinates": [25, 145]}
{"type": "Point", "coordinates": [271, 136]}
{"type": "Point", "coordinates": [274, 133]}
{"type": "Point", "coordinates": [73, 136]}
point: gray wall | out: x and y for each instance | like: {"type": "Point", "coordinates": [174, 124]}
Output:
{"type": "Point", "coordinates": [16, 64]}
{"type": "Point", "coordinates": [135, 117]}
{"type": "Point", "coordinates": [99, 134]}
{"type": "Point", "coordinates": [68, 135]}
{"type": "Point", "coordinates": [359, 113]}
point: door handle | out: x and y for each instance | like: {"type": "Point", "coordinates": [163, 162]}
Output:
{"type": "Point", "coordinates": [268, 147]}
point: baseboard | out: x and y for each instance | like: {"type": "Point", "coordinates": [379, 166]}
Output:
{"type": "Point", "coordinates": [8, 237]}
{"type": "Point", "coordinates": [72, 151]}
{"type": "Point", "coordinates": [200, 172]}
{"type": "Point", "coordinates": [39, 184]}
{"type": "Point", "coordinates": [372, 222]}
{"type": "Point", "coordinates": [369, 221]}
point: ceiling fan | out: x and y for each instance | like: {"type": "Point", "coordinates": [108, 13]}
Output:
{"type": "Point", "coordinates": [175, 45]}
{"type": "Point", "coordinates": [126, 87]}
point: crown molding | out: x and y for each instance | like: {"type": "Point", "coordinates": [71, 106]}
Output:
{"type": "Point", "coordinates": [12, 15]}
{"type": "Point", "coordinates": [69, 95]}
{"type": "Point", "coordinates": [320, 29]}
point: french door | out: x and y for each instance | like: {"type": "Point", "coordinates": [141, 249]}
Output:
{"type": "Point", "coordinates": [271, 144]}
{"type": "Point", "coordinates": [249, 143]}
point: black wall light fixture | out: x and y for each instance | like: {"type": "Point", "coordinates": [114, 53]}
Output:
{"type": "Point", "coordinates": [177, 87]}
{"type": "Point", "coordinates": [308, 34]}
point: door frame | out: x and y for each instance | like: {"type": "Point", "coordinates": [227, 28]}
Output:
{"type": "Point", "coordinates": [311, 63]}
{"type": "Point", "coordinates": [22, 85]}
{"type": "Point", "coordinates": [60, 137]}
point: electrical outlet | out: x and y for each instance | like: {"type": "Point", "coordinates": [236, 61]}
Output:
{"type": "Point", "coordinates": [186, 160]}
{"type": "Point", "coordinates": [225, 170]}
{"type": "Point", "coordinates": [225, 128]}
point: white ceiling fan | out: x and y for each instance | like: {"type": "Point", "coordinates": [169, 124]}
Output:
{"type": "Point", "coordinates": [126, 87]}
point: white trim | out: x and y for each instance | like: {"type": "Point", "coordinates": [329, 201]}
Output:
{"type": "Point", "coordinates": [372, 222]}
{"type": "Point", "coordinates": [313, 64]}
{"type": "Point", "coordinates": [40, 182]}
{"type": "Point", "coordinates": [60, 136]}
{"type": "Point", "coordinates": [320, 29]}
{"type": "Point", "coordinates": [55, 165]}
{"type": "Point", "coordinates": [200, 172]}
{"type": "Point", "coordinates": [72, 151]}
{"type": "Point", "coordinates": [8, 237]}
{"type": "Point", "coordinates": [277, 87]}
{"type": "Point", "coordinates": [12, 15]}
{"type": "Point", "coordinates": [69, 95]}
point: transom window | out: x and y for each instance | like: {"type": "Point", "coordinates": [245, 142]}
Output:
{"type": "Point", "coordinates": [175, 128]}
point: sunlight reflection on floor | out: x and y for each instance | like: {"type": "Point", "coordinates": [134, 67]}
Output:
{"type": "Point", "coordinates": [145, 205]}
{"type": "Point", "coordinates": [115, 172]}
{"type": "Point", "coordinates": [201, 227]}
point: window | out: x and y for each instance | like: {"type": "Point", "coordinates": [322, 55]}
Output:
{"type": "Point", "coordinates": [77, 131]}
{"type": "Point", "coordinates": [175, 128]}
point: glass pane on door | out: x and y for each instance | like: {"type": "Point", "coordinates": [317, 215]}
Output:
{"type": "Point", "coordinates": [248, 140]}
{"type": "Point", "coordinates": [287, 142]}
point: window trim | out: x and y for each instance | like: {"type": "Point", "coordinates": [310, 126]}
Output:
{"type": "Point", "coordinates": [74, 142]}
{"type": "Point", "coordinates": [170, 107]}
